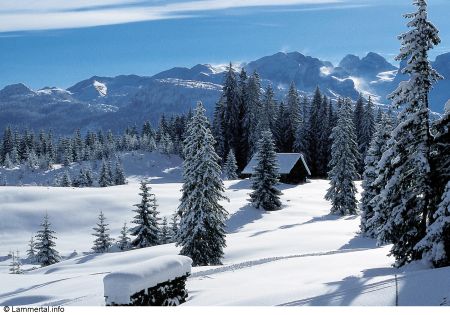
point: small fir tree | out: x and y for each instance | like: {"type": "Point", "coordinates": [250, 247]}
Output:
{"type": "Point", "coordinates": [103, 241]}
{"type": "Point", "coordinates": [146, 231]}
{"type": "Point", "coordinates": [265, 176]}
{"type": "Point", "coordinates": [45, 246]}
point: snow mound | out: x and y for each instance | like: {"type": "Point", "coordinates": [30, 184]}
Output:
{"type": "Point", "coordinates": [101, 88]}
{"type": "Point", "coordinates": [120, 285]}
{"type": "Point", "coordinates": [447, 107]}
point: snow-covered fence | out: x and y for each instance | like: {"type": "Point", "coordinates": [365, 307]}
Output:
{"type": "Point", "coordinates": [157, 282]}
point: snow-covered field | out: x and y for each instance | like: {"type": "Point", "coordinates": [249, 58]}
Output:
{"type": "Point", "coordinates": [299, 255]}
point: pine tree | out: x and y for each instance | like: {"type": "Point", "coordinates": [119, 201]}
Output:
{"type": "Point", "coordinates": [293, 117]}
{"type": "Point", "coordinates": [407, 195]}
{"type": "Point", "coordinates": [265, 177]}
{"type": "Point", "coordinates": [230, 167]}
{"type": "Point", "coordinates": [124, 241]}
{"type": "Point", "coordinates": [254, 105]}
{"type": "Point", "coordinates": [31, 251]}
{"type": "Point", "coordinates": [103, 241]}
{"type": "Point", "coordinates": [202, 226]}
{"type": "Point", "coordinates": [369, 219]}
{"type": "Point", "coordinates": [65, 180]}
{"type": "Point", "coordinates": [366, 132]}
{"type": "Point", "coordinates": [174, 227]}
{"type": "Point", "coordinates": [164, 237]}
{"type": "Point", "coordinates": [15, 265]}
{"type": "Point", "coordinates": [119, 177]}
{"type": "Point", "coordinates": [435, 246]}
{"type": "Point", "coordinates": [105, 179]}
{"type": "Point", "coordinates": [344, 158]}
{"type": "Point", "coordinates": [45, 246]}
{"type": "Point", "coordinates": [146, 231]}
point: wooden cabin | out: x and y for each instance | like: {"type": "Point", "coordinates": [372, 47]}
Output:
{"type": "Point", "coordinates": [292, 168]}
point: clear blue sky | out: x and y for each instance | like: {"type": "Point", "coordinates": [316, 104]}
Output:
{"type": "Point", "coordinates": [58, 43]}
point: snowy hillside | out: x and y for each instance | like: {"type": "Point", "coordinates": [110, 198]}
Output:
{"type": "Point", "coordinates": [299, 255]}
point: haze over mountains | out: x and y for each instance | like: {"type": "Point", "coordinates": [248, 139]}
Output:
{"type": "Point", "coordinates": [115, 103]}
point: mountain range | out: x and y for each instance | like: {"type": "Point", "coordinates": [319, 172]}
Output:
{"type": "Point", "coordinates": [116, 102]}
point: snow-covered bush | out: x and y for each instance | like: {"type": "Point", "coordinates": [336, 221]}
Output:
{"type": "Point", "coordinates": [156, 282]}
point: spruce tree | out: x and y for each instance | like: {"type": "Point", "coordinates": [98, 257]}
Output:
{"type": "Point", "coordinates": [65, 180]}
{"type": "Point", "coordinates": [31, 251]}
{"type": "Point", "coordinates": [254, 105]}
{"type": "Point", "coordinates": [407, 195]}
{"type": "Point", "coordinates": [164, 237]}
{"type": "Point", "coordinates": [293, 117]}
{"type": "Point", "coordinates": [119, 177]}
{"type": "Point", "coordinates": [174, 227]}
{"type": "Point", "coordinates": [105, 179]}
{"type": "Point", "coordinates": [230, 168]}
{"type": "Point", "coordinates": [103, 241]}
{"type": "Point", "coordinates": [265, 176]}
{"type": "Point", "coordinates": [366, 133]}
{"type": "Point", "coordinates": [435, 246]}
{"type": "Point", "coordinates": [45, 246]}
{"type": "Point", "coordinates": [369, 219]}
{"type": "Point", "coordinates": [124, 241]}
{"type": "Point", "coordinates": [201, 231]}
{"type": "Point", "coordinates": [344, 158]}
{"type": "Point", "coordinates": [146, 230]}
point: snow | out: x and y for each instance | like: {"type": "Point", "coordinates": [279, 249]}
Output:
{"type": "Point", "coordinates": [386, 76]}
{"type": "Point", "coordinates": [285, 161]}
{"type": "Point", "coordinates": [191, 84]}
{"type": "Point", "coordinates": [101, 88]}
{"type": "Point", "coordinates": [121, 285]}
{"type": "Point", "coordinates": [299, 255]}
{"type": "Point", "coordinates": [447, 106]}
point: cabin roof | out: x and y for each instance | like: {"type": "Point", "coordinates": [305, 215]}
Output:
{"type": "Point", "coordinates": [285, 161]}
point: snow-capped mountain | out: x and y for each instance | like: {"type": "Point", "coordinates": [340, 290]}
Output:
{"type": "Point", "coordinates": [116, 102]}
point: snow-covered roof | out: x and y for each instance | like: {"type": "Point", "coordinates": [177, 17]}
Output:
{"type": "Point", "coordinates": [285, 161]}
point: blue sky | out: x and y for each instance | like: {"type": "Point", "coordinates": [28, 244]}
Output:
{"type": "Point", "coordinates": [58, 43]}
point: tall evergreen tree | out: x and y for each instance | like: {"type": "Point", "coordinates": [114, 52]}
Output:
{"type": "Point", "coordinates": [407, 195]}
{"type": "Point", "coordinates": [103, 241]}
{"type": "Point", "coordinates": [266, 176]}
{"type": "Point", "coordinates": [146, 231]}
{"type": "Point", "coordinates": [45, 246]}
{"type": "Point", "coordinates": [293, 117]}
{"type": "Point", "coordinates": [254, 106]}
{"type": "Point", "coordinates": [369, 224]}
{"type": "Point", "coordinates": [174, 227]}
{"type": "Point", "coordinates": [436, 244]}
{"type": "Point", "coordinates": [344, 158]}
{"type": "Point", "coordinates": [202, 226]}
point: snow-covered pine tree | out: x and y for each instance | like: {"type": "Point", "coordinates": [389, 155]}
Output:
{"type": "Point", "coordinates": [435, 246]}
{"type": "Point", "coordinates": [265, 177]}
{"type": "Point", "coordinates": [105, 179]}
{"type": "Point", "coordinates": [124, 241]}
{"type": "Point", "coordinates": [164, 236]}
{"type": "Point", "coordinates": [174, 227]}
{"type": "Point", "coordinates": [45, 246]}
{"type": "Point", "coordinates": [366, 133]}
{"type": "Point", "coordinates": [230, 167]}
{"type": "Point", "coordinates": [103, 241]}
{"type": "Point", "coordinates": [16, 264]}
{"type": "Point", "coordinates": [369, 224]}
{"type": "Point", "coordinates": [358, 121]}
{"type": "Point", "coordinates": [293, 116]}
{"type": "Point", "coordinates": [146, 230]}
{"type": "Point", "coordinates": [407, 195]}
{"type": "Point", "coordinates": [12, 264]}
{"type": "Point", "coordinates": [119, 176]}
{"type": "Point", "coordinates": [202, 225]}
{"type": "Point", "coordinates": [65, 180]}
{"type": "Point", "coordinates": [254, 105]}
{"type": "Point", "coordinates": [31, 251]}
{"type": "Point", "coordinates": [344, 158]}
